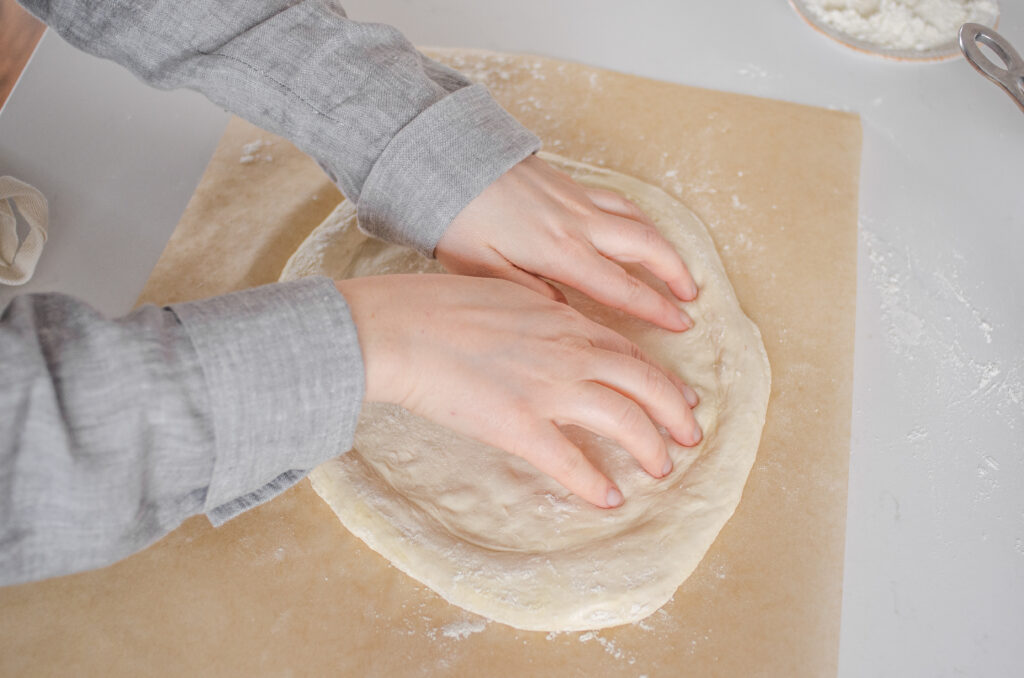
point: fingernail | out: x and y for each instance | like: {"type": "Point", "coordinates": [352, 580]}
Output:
{"type": "Point", "coordinates": [697, 434]}
{"type": "Point", "coordinates": [690, 396]}
{"type": "Point", "coordinates": [614, 498]}
{"type": "Point", "coordinates": [691, 291]}
{"type": "Point", "coordinates": [667, 468]}
{"type": "Point", "coordinates": [685, 317]}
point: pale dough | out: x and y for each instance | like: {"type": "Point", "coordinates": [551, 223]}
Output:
{"type": "Point", "coordinates": [489, 533]}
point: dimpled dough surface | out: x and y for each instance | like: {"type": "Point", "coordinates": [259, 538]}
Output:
{"type": "Point", "coordinates": [489, 533]}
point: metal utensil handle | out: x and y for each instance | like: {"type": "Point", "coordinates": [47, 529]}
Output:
{"type": "Point", "coordinates": [1010, 78]}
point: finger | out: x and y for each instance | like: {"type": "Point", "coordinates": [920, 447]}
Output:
{"type": "Point", "coordinates": [667, 266]}
{"type": "Point", "coordinates": [613, 203]}
{"type": "Point", "coordinates": [608, 413]}
{"type": "Point", "coordinates": [550, 452]}
{"type": "Point", "coordinates": [652, 389]}
{"type": "Point", "coordinates": [608, 283]}
{"type": "Point", "coordinates": [610, 340]}
{"type": "Point", "coordinates": [689, 394]}
{"type": "Point", "coordinates": [628, 241]}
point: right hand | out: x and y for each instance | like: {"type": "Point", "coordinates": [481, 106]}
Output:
{"type": "Point", "coordinates": [535, 224]}
{"type": "Point", "coordinates": [506, 366]}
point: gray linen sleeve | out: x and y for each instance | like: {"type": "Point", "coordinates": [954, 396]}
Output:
{"type": "Point", "coordinates": [114, 431]}
{"type": "Point", "coordinates": [410, 141]}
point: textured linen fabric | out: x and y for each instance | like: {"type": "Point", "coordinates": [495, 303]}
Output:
{"type": "Point", "coordinates": [358, 97]}
{"type": "Point", "coordinates": [114, 431]}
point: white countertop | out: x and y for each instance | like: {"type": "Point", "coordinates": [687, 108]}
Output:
{"type": "Point", "coordinates": [934, 580]}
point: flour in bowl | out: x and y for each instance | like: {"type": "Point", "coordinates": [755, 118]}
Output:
{"type": "Point", "coordinates": [916, 25]}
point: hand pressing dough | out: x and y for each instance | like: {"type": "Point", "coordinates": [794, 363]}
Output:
{"type": "Point", "coordinates": [491, 534]}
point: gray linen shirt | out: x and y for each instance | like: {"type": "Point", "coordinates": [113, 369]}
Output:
{"type": "Point", "coordinates": [114, 431]}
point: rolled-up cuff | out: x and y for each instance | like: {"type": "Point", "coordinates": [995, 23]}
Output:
{"type": "Point", "coordinates": [437, 164]}
{"type": "Point", "coordinates": [285, 376]}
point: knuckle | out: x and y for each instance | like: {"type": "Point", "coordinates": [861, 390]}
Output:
{"type": "Point", "coordinates": [636, 353]}
{"type": "Point", "coordinates": [631, 418]}
{"type": "Point", "coordinates": [650, 237]}
{"type": "Point", "coordinates": [569, 463]}
{"type": "Point", "coordinates": [653, 381]}
{"type": "Point", "coordinates": [633, 289]}
{"type": "Point", "coordinates": [574, 356]}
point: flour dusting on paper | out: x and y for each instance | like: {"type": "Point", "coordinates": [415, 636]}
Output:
{"type": "Point", "coordinates": [463, 629]}
{"type": "Point", "coordinates": [251, 152]}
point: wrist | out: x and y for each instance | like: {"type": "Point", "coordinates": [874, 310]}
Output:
{"type": "Point", "coordinates": [371, 314]}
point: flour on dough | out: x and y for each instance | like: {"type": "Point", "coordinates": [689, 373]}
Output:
{"type": "Point", "coordinates": [489, 533]}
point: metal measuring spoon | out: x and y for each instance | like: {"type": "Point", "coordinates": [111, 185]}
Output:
{"type": "Point", "coordinates": [1009, 76]}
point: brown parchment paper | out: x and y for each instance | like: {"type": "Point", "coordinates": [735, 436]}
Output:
{"type": "Point", "coordinates": [285, 590]}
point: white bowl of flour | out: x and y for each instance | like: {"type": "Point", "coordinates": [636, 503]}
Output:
{"type": "Point", "coordinates": [917, 30]}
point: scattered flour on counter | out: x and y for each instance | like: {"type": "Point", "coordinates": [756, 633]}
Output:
{"type": "Point", "coordinates": [929, 318]}
{"type": "Point", "coordinates": [752, 71]}
{"type": "Point", "coordinates": [917, 25]}
{"type": "Point", "coordinates": [463, 629]}
{"type": "Point", "coordinates": [917, 433]}
{"type": "Point", "coordinates": [987, 479]}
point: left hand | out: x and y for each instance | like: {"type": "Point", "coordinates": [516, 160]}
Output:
{"type": "Point", "coordinates": [535, 222]}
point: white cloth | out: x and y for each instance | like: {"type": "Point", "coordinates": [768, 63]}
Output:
{"type": "Point", "coordinates": [18, 258]}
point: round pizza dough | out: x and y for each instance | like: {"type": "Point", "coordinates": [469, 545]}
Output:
{"type": "Point", "coordinates": [488, 532]}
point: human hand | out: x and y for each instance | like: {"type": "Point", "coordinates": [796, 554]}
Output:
{"type": "Point", "coordinates": [505, 366]}
{"type": "Point", "coordinates": [535, 222]}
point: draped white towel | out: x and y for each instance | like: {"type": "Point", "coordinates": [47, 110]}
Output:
{"type": "Point", "coordinates": [18, 258]}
